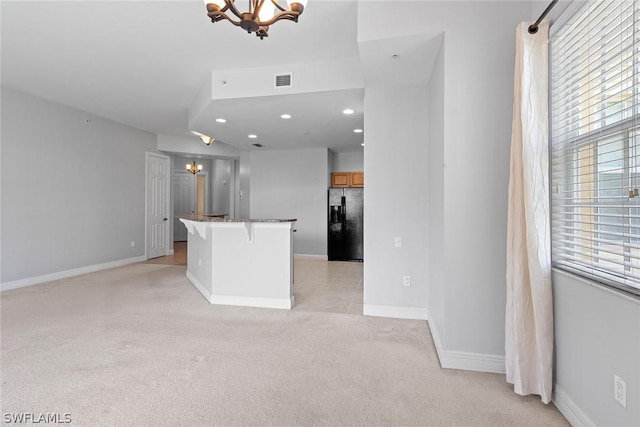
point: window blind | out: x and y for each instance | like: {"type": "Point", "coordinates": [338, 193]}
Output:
{"type": "Point", "coordinates": [595, 143]}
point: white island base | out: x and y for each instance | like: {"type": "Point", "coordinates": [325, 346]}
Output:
{"type": "Point", "coordinates": [236, 262]}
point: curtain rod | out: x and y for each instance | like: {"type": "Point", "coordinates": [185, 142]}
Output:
{"type": "Point", "coordinates": [534, 28]}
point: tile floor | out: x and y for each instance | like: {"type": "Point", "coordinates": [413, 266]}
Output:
{"type": "Point", "coordinates": [321, 286]}
{"type": "Point", "coordinates": [328, 286]}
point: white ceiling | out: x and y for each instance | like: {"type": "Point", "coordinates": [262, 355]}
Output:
{"type": "Point", "coordinates": [316, 121]}
{"type": "Point", "coordinates": [142, 63]}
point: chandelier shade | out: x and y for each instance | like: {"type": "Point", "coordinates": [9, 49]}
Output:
{"type": "Point", "coordinates": [261, 13]}
{"type": "Point", "coordinates": [193, 168]}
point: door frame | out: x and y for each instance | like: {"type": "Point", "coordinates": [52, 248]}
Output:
{"type": "Point", "coordinates": [167, 161]}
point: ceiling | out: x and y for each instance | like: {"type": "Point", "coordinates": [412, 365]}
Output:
{"type": "Point", "coordinates": [142, 63]}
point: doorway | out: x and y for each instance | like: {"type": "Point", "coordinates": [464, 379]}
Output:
{"type": "Point", "coordinates": [190, 196]}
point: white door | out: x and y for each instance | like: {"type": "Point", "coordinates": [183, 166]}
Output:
{"type": "Point", "coordinates": [157, 205]}
{"type": "Point", "coordinates": [184, 202]}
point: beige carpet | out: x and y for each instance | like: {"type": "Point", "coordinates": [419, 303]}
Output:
{"type": "Point", "coordinates": [139, 346]}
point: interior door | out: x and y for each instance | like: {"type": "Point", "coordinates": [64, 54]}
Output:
{"type": "Point", "coordinates": [157, 205]}
{"type": "Point", "coordinates": [184, 202]}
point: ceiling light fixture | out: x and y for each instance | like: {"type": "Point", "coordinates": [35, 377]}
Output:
{"type": "Point", "coordinates": [286, 116]}
{"type": "Point", "coordinates": [252, 136]}
{"type": "Point", "coordinates": [193, 168]}
{"type": "Point", "coordinates": [261, 14]}
{"type": "Point", "coordinates": [347, 111]}
{"type": "Point", "coordinates": [362, 144]}
{"type": "Point", "coordinates": [207, 139]}
{"type": "Point", "coordinates": [357, 130]}
{"type": "Point", "coordinates": [221, 121]}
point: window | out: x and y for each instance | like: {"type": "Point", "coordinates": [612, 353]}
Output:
{"type": "Point", "coordinates": [595, 143]}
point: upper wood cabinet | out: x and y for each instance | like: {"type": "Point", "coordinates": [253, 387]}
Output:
{"type": "Point", "coordinates": [356, 179]}
{"type": "Point", "coordinates": [340, 179]}
{"type": "Point", "coordinates": [347, 179]}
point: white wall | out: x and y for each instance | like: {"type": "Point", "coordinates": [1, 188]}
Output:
{"type": "Point", "coordinates": [293, 184]}
{"type": "Point", "coordinates": [348, 162]}
{"type": "Point", "coordinates": [478, 90]}
{"type": "Point", "coordinates": [82, 200]}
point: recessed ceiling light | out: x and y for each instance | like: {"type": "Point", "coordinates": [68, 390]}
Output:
{"type": "Point", "coordinates": [286, 116]}
{"type": "Point", "coordinates": [357, 130]}
{"type": "Point", "coordinates": [362, 144]}
{"type": "Point", "coordinates": [221, 121]}
{"type": "Point", "coordinates": [347, 111]}
{"type": "Point", "coordinates": [252, 136]}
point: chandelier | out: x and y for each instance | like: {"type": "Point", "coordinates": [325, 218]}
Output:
{"type": "Point", "coordinates": [193, 168]}
{"type": "Point", "coordinates": [261, 14]}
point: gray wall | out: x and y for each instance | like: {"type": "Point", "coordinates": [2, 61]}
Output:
{"type": "Point", "coordinates": [293, 184]}
{"type": "Point", "coordinates": [245, 185]}
{"type": "Point", "coordinates": [435, 191]}
{"type": "Point", "coordinates": [82, 200]}
{"type": "Point", "coordinates": [348, 162]}
{"type": "Point", "coordinates": [220, 181]}
{"type": "Point", "coordinates": [477, 110]}
{"type": "Point", "coordinates": [395, 195]}
{"type": "Point", "coordinates": [597, 336]}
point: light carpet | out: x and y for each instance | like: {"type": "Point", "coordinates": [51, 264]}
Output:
{"type": "Point", "coordinates": [139, 346]}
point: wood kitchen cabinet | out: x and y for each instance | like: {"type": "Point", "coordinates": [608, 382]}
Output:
{"type": "Point", "coordinates": [340, 179]}
{"type": "Point", "coordinates": [356, 179]}
{"type": "Point", "coordinates": [347, 179]}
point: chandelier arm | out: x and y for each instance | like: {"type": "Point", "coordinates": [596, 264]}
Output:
{"type": "Point", "coordinates": [256, 5]}
{"type": "Point", "coordinates": [291, 16]}
{"type": "Point", "coordinates": [221, 16]}
{"type": "Point", "coordinates": [275, 3]}
{"type": "Point", "coordinates": [230, 4]}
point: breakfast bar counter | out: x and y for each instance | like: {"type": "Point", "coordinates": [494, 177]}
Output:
{"type": "Point", "coordinates": [241, 261]}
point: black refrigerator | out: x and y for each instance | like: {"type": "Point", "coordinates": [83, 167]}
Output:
{"type": "Point", "coordinates": [346, 214]}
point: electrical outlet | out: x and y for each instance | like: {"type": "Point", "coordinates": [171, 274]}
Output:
{"type": "Point", "coordinates": [406, 280]}
{"type": "Point", "coordinates": [133, 244]}
{"type": "Point", "coordinates": [620, 390]}
{"type": "Point", "coordinates": [398, 242]}
{"type": "Point", "coordinates": [200, 262]}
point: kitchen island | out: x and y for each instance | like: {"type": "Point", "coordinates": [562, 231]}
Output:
{"type": "Point", "coordinates": [241, 261]}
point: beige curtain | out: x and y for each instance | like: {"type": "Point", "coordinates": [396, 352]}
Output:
{"type": "Point", "coordinates": [529, 310]}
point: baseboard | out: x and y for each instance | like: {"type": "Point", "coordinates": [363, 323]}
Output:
{"type": "Point", "coordinates": [396, 312]}
{"type": "Point", "coordinates": [170, 252]}
{"type": "Point", "coordinates": [568, 408]}
{"type": "Point", "coordinates": [284, 303]}
{"type": "Point", "coordinates": [199, 286]}
{"type": "Point", "coordinates": [478, 362]}
{"type": "Point", "coordinates": [463, 360]}
{"type": "Point", "coordinates": [311, 257]}
{"type": "Point", "coordinates": [29, 281]}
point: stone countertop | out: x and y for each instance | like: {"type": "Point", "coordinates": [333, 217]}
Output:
{"type": "Point", "coordinates": [219, 218]}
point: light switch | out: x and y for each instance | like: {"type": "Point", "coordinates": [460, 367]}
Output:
{"type": "Point", "coordinates": [398, 242]}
